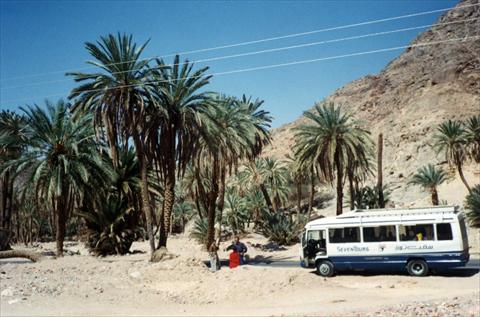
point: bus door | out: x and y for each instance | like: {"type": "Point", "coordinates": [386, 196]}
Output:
{"type": "Point", "coordinates": [315, 243]}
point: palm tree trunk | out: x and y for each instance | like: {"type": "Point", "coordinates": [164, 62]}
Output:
{"type": "Point", "coordinates": [276, 202]}
{"type": "Point", "coordinates": [162, 239]}
{"type": "Point", "coordinates": [357, 192]}
{"type": "Point", "coordinates": [32, 256]}
{"type": "Point", "coordinates": [30, 230]}
{"type": "Point", "coordinates": [3, 200]}
{"type": "Point", "coordinates": [299, 198]}
{"type": "Point", "coordinates": [267, 197]}
{"type": "Point", "coordinates": [111, 138]}
{"type": "Point", "coordinates": [10, 203]}
{"type": "Point", "coordinates": [169, 199]}
{"type": "Point", "coordinates": [202, 196]}
{"type": "Point", "coordinates": [6, 201]}
{"type": "Point", "coordinates": [17, 217]}
{"type": "Point", "coordinates": [197, 204]}
{"type": "Point", "coordinates": [351, 189]}
{"type": "Point", "coordinates": [312, 193]}
{"type": "Point", "coordinates": [221, 202]}
{"type": "Point", "coordinates": [462, 177]}
{"type": "Point", "coordinates": [435, 200]}
{"type": "Point", "coordinates": [145, 195]}
{"type": "Point", "coordinates": [381, 198]}
{"type": "Point", "coordinates": [61, 224]}
{"type": "Point", "coordinates": [212, 205]}
{"type": "Point", "coordinates": [169, 190]}
{"type": "Point", "coordinates": [339, 183]}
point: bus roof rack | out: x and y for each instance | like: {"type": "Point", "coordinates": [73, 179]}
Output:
{"type": "Point", "coordinates": [393, 211]}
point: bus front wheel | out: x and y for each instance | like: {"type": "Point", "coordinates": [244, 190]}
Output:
{"type": "Point", "coordinates": [325, 268]}
{"type": "Point", "coordinates": [417, 267]}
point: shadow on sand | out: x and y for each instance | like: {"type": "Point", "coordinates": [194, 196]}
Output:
{"type": "Point", "coordinates": [455, 272]}
{"type": "Point", "coordinates": [259, 260]}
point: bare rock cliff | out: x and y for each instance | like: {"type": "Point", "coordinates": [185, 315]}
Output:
{"type": "Point", "coordinates": [406, 101]}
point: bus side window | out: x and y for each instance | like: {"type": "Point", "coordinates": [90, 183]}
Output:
{"type": "Point", "coordinates": [444, 231]}
{"type": "Point", "coordinates": [379, 234]}
{"type": "Point", "coordinates": [344, 235]}
{"type": "Point", "coordinates": [416, 232]}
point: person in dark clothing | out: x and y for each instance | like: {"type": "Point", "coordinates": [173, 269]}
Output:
{"type": "Point", "coordinates": [238, 247]}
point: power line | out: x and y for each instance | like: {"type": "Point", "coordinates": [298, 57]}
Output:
{"type": "Point", "coordinates": [263, 40]}
{"type": "Point", "coordinates": [263, 51]}
{"type": "Point", "coordinates": [464, 39]}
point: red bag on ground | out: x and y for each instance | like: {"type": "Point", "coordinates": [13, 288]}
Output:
{"type": "Point", "coordinates": [234, 260]}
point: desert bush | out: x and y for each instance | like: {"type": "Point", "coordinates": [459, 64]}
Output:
{"type": "Point", "coordinates": [182, 213]}
{"type": "Point", "coordinates": [111, 227]}
{"type": "Point", "coordinates": [237, 213]}
{"type": "Point", "coordinates": [367, 197]}
{"type": "Point", "coordinates": [280, 228]}
{"type": "Point", "coordinates": [472, 204]}
{"type": "Point", "coordinates": [199, 231]}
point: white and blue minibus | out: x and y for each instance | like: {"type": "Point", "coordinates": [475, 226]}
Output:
{"type": "Point", "coordinates": [417, 240]}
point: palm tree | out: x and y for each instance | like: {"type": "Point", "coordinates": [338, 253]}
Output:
{"type": "Point", "coordinates": [111, 225]}
{"type": "Point", "coordinates": [381, 198]}
{"type": "Point", "coordinates": [473, 137]}
{"type": "Point", "coordinates": [191, 184]}
{"type": "Point", "coordinates": [299, 177]}
{"type": "Point", "coordinates": [252, 134]}
{"type": "Point", "coordinates": [178, 100]}
{"type": "Point", "coordinates": [255, 202]}
{"type": "Point", "coordinates": [430, 178]}
{"type": "Point", "coordinates": [228, 135]}
{"type": "Point", "coordinates": [62, 160]}
{"type": "Point", "coordinates": [472, 204]}
{"type": "Point", "coordinates": [117, 95]}
{"type": "Point", "coordinates": [260, 119]}
{"type": "Point", "coordinates": [366, 197]}
{"type": "Point", "coordinates": [237, 213]}
{"type": "Point", "coordinates": [451, 139]}
{"type": "Point", "coordinates": [125, 180]}
{"type": "Point", "coordinates": [182, 212]}
{"type": "Point", "coordinates": [329, 141]}
{"type": "Point", "coordinates": [253, 177]}
{"type": "Point", "coordinates": [275, 174]}
{"type": "Point", "coordinates": [358, 171]}
{"type": "Point", "coordinates": [12, 136]}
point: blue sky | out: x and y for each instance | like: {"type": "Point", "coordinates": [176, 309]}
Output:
{"type": "Point", "coordinates": [48, 36]}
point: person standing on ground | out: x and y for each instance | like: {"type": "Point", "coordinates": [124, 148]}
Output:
{"type": "Point", "coordinates": [238, 247]}
{"type": "Point", "coordinates": [214, 260]}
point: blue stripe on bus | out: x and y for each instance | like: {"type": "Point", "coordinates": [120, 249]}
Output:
{"type": "Point", "coordinates": [439, 260]}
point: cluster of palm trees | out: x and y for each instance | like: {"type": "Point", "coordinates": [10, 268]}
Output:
{"type": "Point", "coordinates": [334, 147]}
{"type": "Point", "coordinates": [143, 144]}
{"type": "Point", "coordinates": [251, 190]}
{"type": "Point", "coordinates": [71, 155]}
{"type": "Point", "coordinates": [459, 143]}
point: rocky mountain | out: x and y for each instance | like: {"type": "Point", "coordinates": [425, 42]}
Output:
{"type": "Point", "coordinates": [406, 101]}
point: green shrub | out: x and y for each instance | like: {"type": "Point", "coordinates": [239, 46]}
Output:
{"type": "Point", "coordinates": [237, 214]}
{"type": "Point", "coordinates": [199, 231]}
{"type": "Point", "coordinates": [367, 197]}
{"type": "Point", "coordinates": [182, 213]}
{"type": "Point", "coordinates": [111, 227]}
{"type": "Point", "coordinates": [472, 204]}
{"type": "Point", "coordinates": [281, 228]}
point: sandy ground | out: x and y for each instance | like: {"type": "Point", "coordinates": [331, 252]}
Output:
{"type": "Point", "coordinates": [83, 285]}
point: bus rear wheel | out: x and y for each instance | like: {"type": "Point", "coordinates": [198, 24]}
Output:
{"type": "Point", "coordinates": [417, 268]}
{"type": "Point", "coordinates": [325, 268]}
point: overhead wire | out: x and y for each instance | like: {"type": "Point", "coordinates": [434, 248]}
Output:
{"type": "Point", "coordinates": [262, 40]}
{"type": "Point", "coordinates": [462, 39]}
{"type": "Point", "coordinates": [278, 49]}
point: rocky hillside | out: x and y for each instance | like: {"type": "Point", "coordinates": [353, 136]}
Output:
{"type": "Point", "coordinates": [409, 98]}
